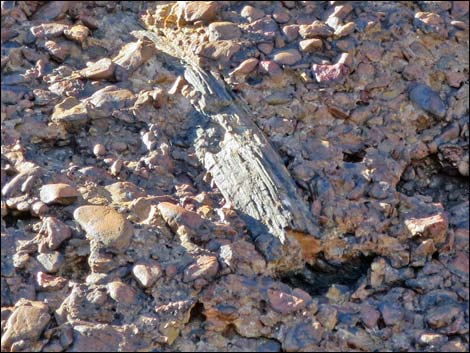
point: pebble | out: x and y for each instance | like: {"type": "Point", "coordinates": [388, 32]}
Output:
{"type": "Point", "coordinates": [99, 150]}
{"type": "Point", "coordinates": [428, 100]}
{"type": "Point", "coordinates": [58, 51]}
{"type": "Point", "coordinates": [63, 194]}
{"type": "Point", "coordinates": [147, 273]}
{"type": "Point", "coordinates": [122, 293]}
{"type": "Point", "coordinates": [310, 45]}
{"type": "Point", "coordinates": [245, 67]}
{"type": "Point", "coordinates": [291, 32]}
{"type": "Point", "coordinates": [287, 57]}
{"type": "Point", "coordinates": [205, 267]}
{"type": "Point", "coordinates": [329, 73]}
{"type": "Point", "coordinates": [223, 31]}
{"type": "Point", "coordinates": [106, 226]}
{"type": "Point", "coordinates": [434, 227]}
{"type": "Point", "coordinates": [251, 13]}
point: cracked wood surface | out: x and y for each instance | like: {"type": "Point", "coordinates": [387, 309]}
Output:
{"type": "Point", "coordinates": [246, 169]}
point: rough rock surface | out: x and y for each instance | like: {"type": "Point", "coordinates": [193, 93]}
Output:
{"type": "Point", "coordinates": [114, 235]}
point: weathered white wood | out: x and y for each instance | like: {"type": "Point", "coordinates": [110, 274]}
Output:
{"type": "Point", "coordinates": [247, 170]}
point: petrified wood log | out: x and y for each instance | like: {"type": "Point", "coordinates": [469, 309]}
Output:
{"type": "Point", "coordinates": [246, 169]}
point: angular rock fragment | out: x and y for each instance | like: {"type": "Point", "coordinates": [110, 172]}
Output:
{"type": "Point", "coordinates": [205, 267]}
{"type": "Point", "coordinates": [316, 29]}
{"type": "Point", "coordinates": [201, 11]}
{"type": "Point", "coordinates": [102, 69]}
{"type": "Point", "coordinates": [70, 110]}
{"type": "Point", "coordinates": [433, 227]}
{"type": "Point", "coordinates": [77, 33]}
{"type": "Point", "coordinates": [63, 194]}
{"type": "Point", "coordinates": [147, 273]}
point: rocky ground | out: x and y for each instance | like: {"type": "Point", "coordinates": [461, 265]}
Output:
{"type": "Point", "coordinates": [115, 238]}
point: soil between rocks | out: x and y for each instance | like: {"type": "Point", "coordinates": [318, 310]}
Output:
{"type": "Point", "coordinates": [114, 236]}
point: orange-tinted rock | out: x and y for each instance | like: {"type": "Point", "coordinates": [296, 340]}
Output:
{"type": "Point", "coordinates": [434, 227]}
{"type": "Point", "coordinates": [176, 216]}
{"type": "Point", "coordinates": [102, 69]}
{"type": "Point", "coordinates": [205, 267]}
{"type": "Point", "coordinates": [201, 11]}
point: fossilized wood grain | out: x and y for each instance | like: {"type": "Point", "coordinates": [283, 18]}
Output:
{"type": "Point", "coordinates": [247, 171]}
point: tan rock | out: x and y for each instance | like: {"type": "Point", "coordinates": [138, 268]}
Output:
{"type": "Point", "coordinates": [245, 67]}
{"type": "Point", "coordinates": [223, 31]}
{"type": "Point", "coordinates": [200, 11]}
{"type": "Point", "coordinates": [434, 227]}
{"type": "Point", "coordinates": [147, 273]}
{"type": "Point", "coordinates": [251, 13]}
{"type": "Point", "coordinates": [316, 29]}
{"type": "Point", "coordinates": [287, 57]}
{"type": "Point", "coordinates": [102, 69]}
{"type": "Point", "coordinates": [58, 193]}
{"type": "Point", "coordinates": [310, 45]}
{"type": "Point", "coordinates": [26, 323]}
{"type": "Point", "coordinates": [105, 226]}
{"type": "Point", "coordinates": [77, 33]}
{"type": "Point", "coordinates": [69, 110]}
{"type": "Point", "coordinates": [122, 293]}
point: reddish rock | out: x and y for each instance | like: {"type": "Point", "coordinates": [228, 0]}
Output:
{"type": "Point", "coordinates": [52, 10]}
{"type": "Point", "coordinates": [49, 282]}
{"type": "Point", "coordinates": [330, 73]}
{"type": "Point", "coordinates": [55, 231]}
{"type": "Point", "coordinates": [284, 303]}
{"type": "Point", "coordinates": [58, 51]}
{"type": "Point", "coordinates": [270, 68]}
{"type": "Point", "coordinates": [369, 316]}
{"type": "Point", "coordinates": [63, 194]}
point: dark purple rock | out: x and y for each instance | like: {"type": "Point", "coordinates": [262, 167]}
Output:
{"type": "Point", "coordinates": [428, 100]}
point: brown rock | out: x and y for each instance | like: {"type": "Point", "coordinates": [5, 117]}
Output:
{"type": "Point", "coordinates": [310, 45]}
{"type": "Point", "coordinates": [200, 11]}
{"type": "Point", "coordinates": [205, 267]}
{"type": "Point", "coordinates": [219, 51]}
{"type": "Point", "coordinates": [269, 67]}
{"type": "Point", "coordinates": [287, 57]}
{"type": "Point", "coordinates": [77, 33]}
{"type": "Point", "coordinates": [316, 29]}
{"type": "Point", "coordinates": [291, 32]}
{"type": "Point", "coordinates": [52, 10]}
{"type": "Point", "coordinates": [122, 293]}
{"type": "Point", "coordinates": [442, 315]}
{"type": "Point", "coordinates": [102, 69]}
{"type": "Point", "coordinates": [459, 265]}
{"type": "Point", "coordinates": [177, 216]}
{"type": "Point", "coordinates": [58, 51]}
{"type": "Point", "coordinates": [345, 30]}
{"type": "Point", "coordinates": [26, 323]}
{"type": "Point", "coordinates": [49, 30]}
{"type": "Point", "coordinates": [105, 226]}
{"type": "Point", "coordinates": [369, 316]}
{"type": "Point", "coordinates": [51, 261]}
{"type": "Point", "coordinates": [245, 67]}
{"type": "Point", "coordinates": [251, 13]}
{"type": "Point", "coordinates": [284, 303]}
{"type": "Point", "coordinates": [69, 110]}
{"type": "Point", "coordinates": [63, 194]}
{"type": "Point", "coordinates": [223, 31]}
{"type": "Point", "coordinates": [56, 232]}
{"type": "Point", "coordinates": [124, 191]}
